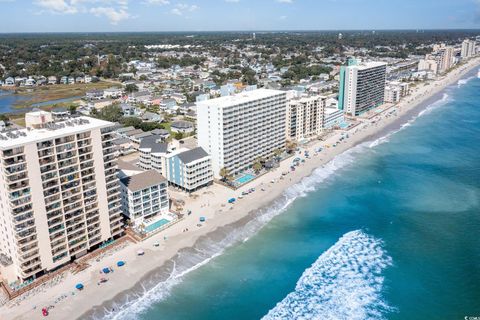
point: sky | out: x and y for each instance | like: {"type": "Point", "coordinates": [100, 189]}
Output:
{"type": "Point", "coordinates": [233, 15]}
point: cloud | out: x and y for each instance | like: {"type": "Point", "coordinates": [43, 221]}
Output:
{"type": "Point", "coordinates": [285, 1]}
{"type": "Point", "coordinates": [112, 14]}
{"type": "Point", "coordinates": [232, 1]}
{"type": "Point", "coordinates": [182, 8]}
{"type": "Point", "coordinates": [157, 2]}
{"type": "Point", "coordinates": [114, 10]}
{"type": "Point", "coordinates": [57, 6]}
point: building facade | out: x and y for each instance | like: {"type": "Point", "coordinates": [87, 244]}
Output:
{"type": "Point", "coordinates": [186, 169]}
{"type": "Point", "coordinates": [238, 129]}
{"type": "Point", "coordinates": [362, 86]}
{"type": "Point", "coordinates": [144, 196]}
{"type": "Point", "coordinates": [305, 117]}
{"type": "Point", "coordinates": [468, 48]}
{"type": "Point", "coordinates": [59, 193]}
{"type": "Point", "coordinates": [333, 117]}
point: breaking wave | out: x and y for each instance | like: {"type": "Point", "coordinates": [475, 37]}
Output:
{"type": "Point", "coordinates": [435, 105]}
{"type": "Point", "coordinates": [345, 282]}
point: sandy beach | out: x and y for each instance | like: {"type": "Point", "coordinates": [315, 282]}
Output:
{"type": "Point", "coordinates": [175, 243]}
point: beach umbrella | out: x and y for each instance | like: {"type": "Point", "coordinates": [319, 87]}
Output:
{"type": "Point", "coordinates": [120, 263]}
{"type": "Point", "coordinates": [106, 270]}
{"type": "Point", "coordinates": [202, 219]}
{"type": "Point", "coordinates": [140, 252]}
{"type": "Point", "coordinates": [79, 286]}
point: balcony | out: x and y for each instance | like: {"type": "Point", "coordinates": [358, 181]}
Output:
{"type": "Point", "coordinates": [60, 257]}
{"type": "Point", "coordinates": [76, 229]}
{"type": "Point", "coordinates": [30, 268]}
{"type": "Point", "coordinates": [74, 214]}
{"type": "Point", "coordinates": [56, 229]}
{"type": "Point", "coordinates": [18, 185]}
{"type": "Point", "coordinates": [23, 209]}
{"type": "Point", "coordinates": [59, 249]}
{"type": "Point", "coordinates": [66, 155]}
{"type": "Point", "coordinates": [44, 144]}
{"type": "Point", "coordinates": [63, 140]}
{"type": "Point", "coordinates": [23, 217]}
{"type": "Point", "coordinates": [48, 168]}
{"type": "Point", "coordinates": [94, 238]}
{"type": "Point", "coordinates": [24, 225]}
{"type": "Point", "coordinates": [29, 256]}
{"type": "Point", "coordinates": [53, 222]}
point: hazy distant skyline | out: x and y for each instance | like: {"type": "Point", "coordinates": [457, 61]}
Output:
{"type": "Point", "coordinates": [229, 15]}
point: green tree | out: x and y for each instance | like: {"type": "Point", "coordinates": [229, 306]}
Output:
{"type": "Point", "coordinates": [129, 88]}
{"type": "Point", "coordinates": [257, 166]}
{"type": "Point", "coordinates": [225, 174]}
{"type": "Point", "coordinates": [178, 135]}
{"type": "Point", "coordinates": [112, 113]}
{"type": "Point", "coordinates": [72, 108]}
{"type": "Point", "coordinates": [291, 146]}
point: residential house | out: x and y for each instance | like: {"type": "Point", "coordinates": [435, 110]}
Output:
{"type": "Point", "coordinates": [112, 93]}
{"type": "Point", "coordinates": [152, 117]}
{"type": "Point", "coordinates": [129, 110]}
{"type": "Point", "coordinates": [52, 80]}
{"type": "Point", "coordinates": [9, 81]}
{"type": "Point", "coordinates": [181, 126]}
{"type": "Point", "coordinates": [94, 94]}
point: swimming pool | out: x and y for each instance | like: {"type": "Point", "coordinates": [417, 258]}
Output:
{"type": "Point", "coordinates": [344, 125]}
{"type": "Point", "coordinates": [156, 225]}
{"type": "Point", "coordinates": [245, 178]}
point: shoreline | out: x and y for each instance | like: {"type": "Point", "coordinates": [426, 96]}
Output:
{"type": "Point", "coordinates": [157, 263]}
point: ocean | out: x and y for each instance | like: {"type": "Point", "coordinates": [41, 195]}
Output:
{"type": "Point", "coordinates": [387, 230]}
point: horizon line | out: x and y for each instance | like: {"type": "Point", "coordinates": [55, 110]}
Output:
{"type": "Point", "coordinates": [243, 31]}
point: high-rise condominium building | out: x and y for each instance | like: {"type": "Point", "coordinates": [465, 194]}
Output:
{"type": "Point", "coordinates": [362, 86]}
{"type": "Point", "coordinates": [59, 193]}
{"type": "Point", "coordinates": [444, 58]}
{"type": "Point", "coordinates": [468, 48]}
{"type": "Point", "coordinates": [305, 117]}
{"type": "Point", "coordinates": [236, 130]}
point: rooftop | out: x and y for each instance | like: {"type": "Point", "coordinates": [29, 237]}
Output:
{"type": "Point", "coordinates": [243, 97]}
{"type": "Point", "coordinates": [369, 65]}
{"type": "Point", "coordinates": [192, 155]}
{"type": "Point", "coordinates": [16, 138]}
{"type": "Point", "coordinates": [143, 180]}
{"type": "Point", "coordinates": [182, 124]}
{"type": "Point", "coordinates": [152, 143]}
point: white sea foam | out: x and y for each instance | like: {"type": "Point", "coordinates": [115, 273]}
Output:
{"type": "Point", "coordinates": [463, 82]}
{"type": "Point", "coordinates": [437, 104]}
{"type": "Point", "coordinates": [345, 282]}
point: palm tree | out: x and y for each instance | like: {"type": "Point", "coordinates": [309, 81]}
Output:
{"type": "Point", "coordinates": [225, 174]}
{"type": "Point", "coordinates": [291, 146]}
{"type": "Point", "coordinates": [257, 166]}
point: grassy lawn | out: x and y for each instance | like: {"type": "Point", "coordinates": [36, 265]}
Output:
{"type": "Point", "coordinates": [59, 91]}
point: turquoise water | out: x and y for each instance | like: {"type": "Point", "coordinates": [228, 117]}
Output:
{"type": "Point", "coordinates": [156, 225]}
{"type": "Point", "coordinates": [388, 230]}
{"type": "Point", "coordinates": [245, 178]}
